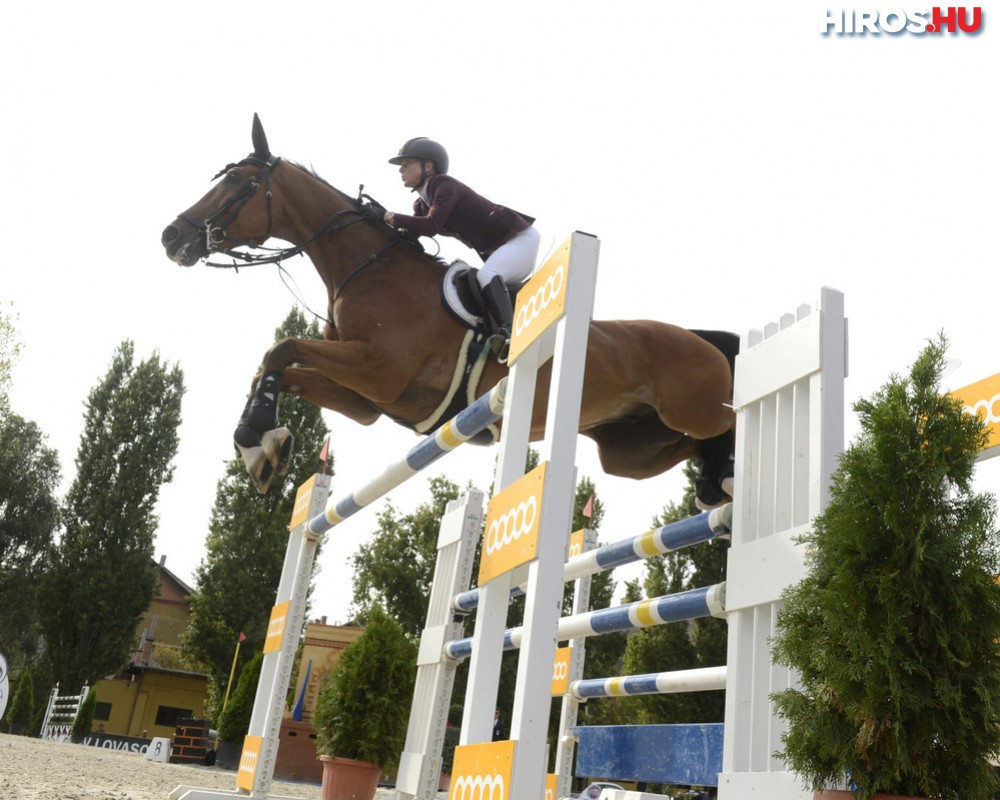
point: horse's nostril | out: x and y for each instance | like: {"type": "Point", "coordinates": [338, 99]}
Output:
{"type": "Point", "coordinates": [169, 234]}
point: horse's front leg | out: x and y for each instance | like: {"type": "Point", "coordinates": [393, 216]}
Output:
{"type": "Point", "coordinates": [316, 388]}
{"type": "Point", "coordinates": [265, 448]}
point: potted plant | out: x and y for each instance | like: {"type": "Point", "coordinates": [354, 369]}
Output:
{"type": "Point", "coordinates": [894, 629]}
{"type": "Point", "coordinates": [362, 709]}
{"type": "Point", "coordinates": [22, 704]}
{"type": "Point", "coordinates": [234, 721]}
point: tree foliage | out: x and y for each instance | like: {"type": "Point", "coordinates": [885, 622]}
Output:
{"type": "Point", "coordinates": [247, 539]}
{"type": "Point", "coordinates": [664, 648]}
{"type": "Point", "coordinates": [29, 513]}
{"type": "Point", "coordinates": [10, 347]}
{"type": "Point", "coordinates": [894, 629]}
{"type": "Point", "coordinates": [396, 568]}
{"type": "Point", "coordinates": [99, 579]}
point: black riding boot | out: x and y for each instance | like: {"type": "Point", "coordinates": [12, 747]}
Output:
{"type": "Point", "coordinates": [500, 315]}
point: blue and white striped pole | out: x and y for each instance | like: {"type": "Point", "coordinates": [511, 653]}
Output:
{"type": "Point", "coordinates": [470, 421]}
{"type": "Point", "coordinates": [714, 524]}
{"type": "Point", "coordinates": [687, 680]}
{"type": "Point", "coordinates": [708, 601]}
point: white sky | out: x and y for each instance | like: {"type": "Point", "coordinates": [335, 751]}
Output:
{"type": "Point", "coordinates": [730, 158]}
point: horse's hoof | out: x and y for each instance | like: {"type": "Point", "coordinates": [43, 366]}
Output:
{"type": "Point", "coordinates": [278, 449]}
{"type": "Point", "coordinates": [709, 494]}
{"type": "Point", "coordinates": [258, 467]}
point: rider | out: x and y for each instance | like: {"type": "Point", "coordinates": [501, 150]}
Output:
{"type": "Point", "coordinates": [506, 240]}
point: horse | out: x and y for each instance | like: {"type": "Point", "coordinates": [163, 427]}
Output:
{"type": "Point", "coordinates": [654, 394]}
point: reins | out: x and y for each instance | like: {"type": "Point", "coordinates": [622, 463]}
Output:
{"type": "Point", "coordinates": [215, 234]}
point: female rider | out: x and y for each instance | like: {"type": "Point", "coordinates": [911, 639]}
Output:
{"type": "Point", "coordinates": [506, 240]}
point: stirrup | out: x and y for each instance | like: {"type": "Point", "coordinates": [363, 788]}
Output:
{"type": "Point", "coordinates": [500, 345]}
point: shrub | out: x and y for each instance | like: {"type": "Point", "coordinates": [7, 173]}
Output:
{"type": "Point", "coordinates": [85, 716]}
{"type": "Point", "coordinates": [235, 720]}
{"type": "Point", "coordinates": [363, 705]}
{"type": "Point", "coordinates": [22, 704]}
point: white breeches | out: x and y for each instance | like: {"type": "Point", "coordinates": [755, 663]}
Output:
{"type": "Point", "coordinates": [513, 260]}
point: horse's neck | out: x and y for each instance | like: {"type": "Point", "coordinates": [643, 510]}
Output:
{"type": "Point", "coordinates": [310, 206]}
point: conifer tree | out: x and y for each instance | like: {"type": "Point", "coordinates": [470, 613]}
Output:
{"type": "Point", "coordinates": [247, 538]}
{"type": "Point", "coordinates": [894, 629]}
{"type": "Point", "coordinates": [100, 578]}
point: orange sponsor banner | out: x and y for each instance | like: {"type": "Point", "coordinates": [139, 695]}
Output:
{"type": "Point", "coordinates": [512, 520]}
{"type": "Point", "coordinates": [551, 786]}
{"type": "Point", "coordinates": [983, 398]}
{"type": "Point", "coordinates": [560, 671]}
{"type": "Point", "coordinates": [276, 627]}
{"type": "Point", "coordinates": [541, 302]}
{"type": "Point", "coordinates": [482, 771]}
{"type": "Point", "coordinates": [576, 543]}
{"type": "Point", "coordinates": [249, 759]}
{"type": "Point", "coordinates": [303, 499]}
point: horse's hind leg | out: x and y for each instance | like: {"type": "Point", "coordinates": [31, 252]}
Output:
{"type": "Point", "coordinates": [640, 448]}
{"type": "Point", "coordinates": [714, 486]}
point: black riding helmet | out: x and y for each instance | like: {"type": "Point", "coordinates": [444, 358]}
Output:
{"type": "Point", "coordinates": [424, 149]}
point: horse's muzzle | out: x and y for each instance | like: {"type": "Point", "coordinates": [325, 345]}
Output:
{"type": "Point", "coordinates": [184, 244]}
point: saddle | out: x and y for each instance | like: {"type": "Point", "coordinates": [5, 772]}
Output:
{"type": "Point", "coordinates": [462, 295]}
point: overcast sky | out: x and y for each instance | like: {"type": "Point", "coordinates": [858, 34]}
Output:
{"type": "Point", "coordinates": [731, 159]}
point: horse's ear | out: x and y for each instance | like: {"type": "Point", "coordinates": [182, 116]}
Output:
{"type": "Point", "coordinates": [260, 148]}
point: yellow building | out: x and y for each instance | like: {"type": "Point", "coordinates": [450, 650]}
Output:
{"type": "Point", "coordinates": [153, 692]}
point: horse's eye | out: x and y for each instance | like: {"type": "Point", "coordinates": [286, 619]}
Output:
{"type": "Point", "coordinates": [232, 176]}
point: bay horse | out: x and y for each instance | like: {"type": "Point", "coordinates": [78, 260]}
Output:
{"type": "Point", "coordinates": [654, 394]}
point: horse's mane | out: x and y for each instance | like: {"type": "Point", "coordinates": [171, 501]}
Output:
{"type": "Point", "coordinates": [353, 202]}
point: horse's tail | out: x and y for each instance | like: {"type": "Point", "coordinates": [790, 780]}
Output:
{"type": "Point", "coordinates": [725, 342]}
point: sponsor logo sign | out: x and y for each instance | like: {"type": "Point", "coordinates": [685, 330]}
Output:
{"type": "Point", "coordinates": [576, 543]}
{"type": "Point", "coordinates": [482, 771]}
{"type": "Point", "coordinates": [276, 627]}
{"type": "Point", "coordinates": [560, 671]}
{"type": "Point", "coordinates": [541, 302]}
{"type": "Point", "coordinates": [983, 398]}
{"type": "Point", "coordinates": [249, 758]}
{"type": "Point", "coordinates": [918, 21]}
{"type": "Point", "coordinates": [512, 520]}
{"type": "Point", "coordinates": [551, 785]}
{"type": "Point", "coordinates": [303, 499]}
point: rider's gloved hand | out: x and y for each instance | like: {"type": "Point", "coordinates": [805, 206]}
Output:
{"type": "Point", "coordinates": [372, 211]}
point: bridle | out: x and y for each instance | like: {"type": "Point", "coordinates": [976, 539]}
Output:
{"type": "Point", "coordinates": [215, 231]}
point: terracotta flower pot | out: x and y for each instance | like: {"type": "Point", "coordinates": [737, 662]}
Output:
{"type": "Point", "coordinates": [347, 779]}
{"type": "Point", "coordinates": [843, 794]}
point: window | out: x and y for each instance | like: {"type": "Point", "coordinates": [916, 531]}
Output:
{"type": "Point", "coordinates": [166, 715]}
{"type": "Point", "coordinates": [102, 711]}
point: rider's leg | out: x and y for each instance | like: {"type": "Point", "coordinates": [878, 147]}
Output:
{"type": "Point", "coordinates": [500, 314]}
{"type": "Point", "coordinates": [508, 265]}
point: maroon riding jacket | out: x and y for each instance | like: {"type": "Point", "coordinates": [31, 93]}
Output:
{"type": "Point", "coordinates": [456, 210]}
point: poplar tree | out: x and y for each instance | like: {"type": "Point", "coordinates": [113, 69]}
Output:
{"type": "Point", "coordinates": [99, 579]}
{"type": "Point", "coordinates": [237, 581]}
